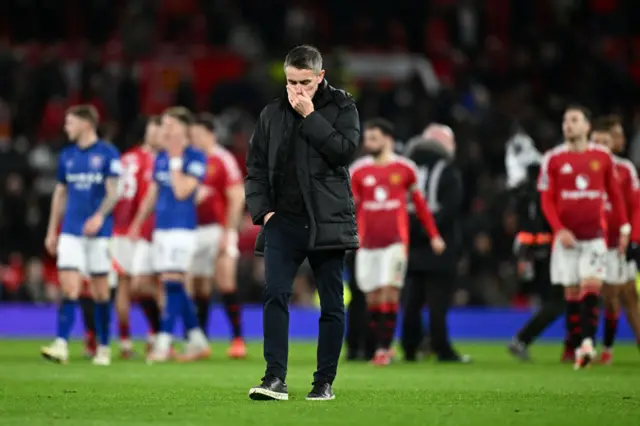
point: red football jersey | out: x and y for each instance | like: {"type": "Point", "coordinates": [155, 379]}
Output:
{"type": "Point", "coordinates": [380, 192]}
{"type": "Point", "coordinates": [137, 174]}
{"type": "Point", "coordinates": [573, 186]}
{"type": "Point", "coordinates": [629, 187]}
{"type": "Point", "coordinates": [222, 172]}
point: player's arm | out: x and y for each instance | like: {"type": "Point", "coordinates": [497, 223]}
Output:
{"type": "Point", "coordinates": [58, 204]}
{"type": "Point", "coordinates": [235, 205]}
{"type": "Point", "coordinates": [112, 195]}
{"type": "Point", "coordinates": [146, 206]}
{"type": "Point", "coordinates": [546, 187]}
{"type": "Point", "coordinates": [615, 197]}
{"type": "Point", "coordinates": [185, 178]}
{"type": "Point", "coordinates": [257, 186]}
{"type": "Point", "coordinates": [337, 143]}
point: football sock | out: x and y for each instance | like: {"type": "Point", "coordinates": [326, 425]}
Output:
{"type": "Point", "coordinates": [390, 317]}
{"type": "Point", "coordinates": [173, 308]}
{"type": "Point", "coordinates": [589, 315]}
{"type": "Point", "coordinates": [202, 312]}
{"type": "Point", "coordinates": [66, 318]}
{"type": "Point", "coordinates": [152, 313]}
{"type": "Point", "coordinates": [124, 331]}
{"type": "Point", "coordinates": [610, 328]}
{"type": "Point", "coordinates": [103, 319]}
{"type": "Point", "coordinates": [189, 317]}
{"type": "Point", "coordinates": [573, 323]}
{"type": "Point", "coordinates": [232, 309]}
{"type": "Point", "coordinates": [374, 324]}
{"type": "Point", "coordinates": [88, 315]}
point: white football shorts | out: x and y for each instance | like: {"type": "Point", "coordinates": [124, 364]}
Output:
{"type": "Point", "coordinates": [122, 251]}
{"type": "Point", "coordinates": [142, 264]}
{"type": "Point", "coordinates": [173, 250]}
{"type": "Point", "coordinates": [619, 269]}
{"type": "Point", "coordinates": [381, 267]}
{"type": "Point", "coordinates": [571, 266]}
{"type": "Point", "coordinates": [87, 255]}
{"type": "Point", "coordinates": [207, 247]}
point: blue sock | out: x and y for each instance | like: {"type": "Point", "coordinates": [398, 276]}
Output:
{"type": "Point", "coordinates": [103, 320]}
{"type": "Point", "coordinates": [189, 316]}
{"type": "Point", "coordinates": [66, 318]}
{"type": "Point", "coordinates": [173, 307]}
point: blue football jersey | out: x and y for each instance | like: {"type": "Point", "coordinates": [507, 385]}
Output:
{"type": "Point", "coordinates": [84, 172]}
{"type": "Point", "coordinates": [172, 213]}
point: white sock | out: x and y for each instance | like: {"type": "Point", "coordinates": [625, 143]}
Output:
{"type": "Point", "coordinates": [163, 342]}
{"type": "Point", "coordinates": [197, 337]}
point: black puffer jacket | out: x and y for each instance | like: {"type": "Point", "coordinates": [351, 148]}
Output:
{"type": "Point", "coordinates": [325, 144]}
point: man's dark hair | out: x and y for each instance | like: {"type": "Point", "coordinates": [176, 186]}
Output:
{"type": "Point", "coordinates": [385, 126]}
{"type": "Point", "coordinates": [305, 57]}
{"type": "Point", "coordinates": [602, 124]}
{"type": "Point", "coordinates": [181, 114]}
{"type": "Point", "coordinates": [154, 119]}
{"type": "Point", "coordinates": [86, 112]}
{"type": "Point", "coordinates": [612, 120]}
{"type": "Point", "coordinates": [206, 120]}
{"type": "Point", "coordinates": [583, 109]}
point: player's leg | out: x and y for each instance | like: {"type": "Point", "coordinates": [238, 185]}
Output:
{"type": "Point", "coordinates": [616, 277]}
{"type": "Point", "coordinates": [395, 260]}
{"type": "Point", "coordinates": [629, 296]}
{"type": "Point", "coordinates": [99, 267]}
{"type": "Point", "coordinates": [226, 271]}
{"type": "Point", "coordinates": [176, 255]}
{"type": "Point", "coordinates": [200, 277]}
{"type": "Point", "coordinates": [71, 263]}
{"type": "Point", "coordinates": [145, 287]}
{"type": "Point", "coordinates": [565, 273]}
{"type": "Point", "coordinates": [88, 319]}
{"type": "Point", "coordinates": [368, 278]}
{"type": "Point", "coordinates": [591, 273]}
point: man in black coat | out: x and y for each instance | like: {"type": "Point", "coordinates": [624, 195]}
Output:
{"type": "Point", "coordinates": [298, 189]}
{"type": "Point", "coordinates": [431, 278]}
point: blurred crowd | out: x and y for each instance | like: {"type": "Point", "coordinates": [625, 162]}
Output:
{"type": "Point", "coordinates": [501, 65]}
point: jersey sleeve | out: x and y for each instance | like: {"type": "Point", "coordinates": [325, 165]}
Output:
{"type": "Point", "coordinates": [113, 166]}
{"type": "Point", "coordinates": [195, 165]}
{"type": "Point", "coordinates": [232, 174]}
{"type": "Point", "coordinates": [61, 175]}
{"type": "Point", "coordinates": [545, 180]}
{"type": "Point", "coordinates": [356, 185]}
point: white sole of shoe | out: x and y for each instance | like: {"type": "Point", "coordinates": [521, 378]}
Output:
{"type": "Point", "coordinates": [259, 394]}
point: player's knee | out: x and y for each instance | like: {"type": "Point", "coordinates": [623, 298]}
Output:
{"type": "Point", "coordinates": [591, 285]}
{"type": "Point", "coordinates": [572, 293]}
{"type": "Point", "coordinates": [101, 288]}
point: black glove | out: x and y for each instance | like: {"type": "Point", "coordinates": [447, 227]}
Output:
{"type": "Point", "coordinates": [633, 251]}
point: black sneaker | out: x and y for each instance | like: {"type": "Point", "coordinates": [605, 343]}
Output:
{"type": "Point", "coordinates": [455, 359]}
{"type": "Point", "coordinates": [519, 350]}
{"type": "Point", "coordinates": [321, 392]}
{"type": "Point", "coordinates": [271, 389]}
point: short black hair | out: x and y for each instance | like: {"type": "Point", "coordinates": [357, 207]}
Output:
{"type": "Point", "coordinates": [385, 126]}
{"type": "Point", "coordinates": [304, 57]}
{"type": "Point", "coordinates": [613, 120]}
{"type": "Point", "coordinates": [85, 112]}
{"type": "Point", "coordinates": [182, 114]}
{"type": "Point", "coordinates": [578, 107]}
{"type": "Point", "coordinates": [206, 120]}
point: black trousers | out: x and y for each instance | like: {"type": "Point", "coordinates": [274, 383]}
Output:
{"type": "Point", "coordinates": [436, 289]}
{"type": "Point", "coordinates": [285, 250]}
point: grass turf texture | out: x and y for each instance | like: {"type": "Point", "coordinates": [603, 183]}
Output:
{"type": "Point", "coordinates": [495, 390]}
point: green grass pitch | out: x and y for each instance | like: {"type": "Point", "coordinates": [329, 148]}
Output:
{"type": "Point", "coordinates": [495, 390]}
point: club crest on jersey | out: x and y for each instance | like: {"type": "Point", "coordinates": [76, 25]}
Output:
{"type": "Point", "coordinates": [582, 182]}
{"type": "Point", "coordinates": [211, 170]}
{"type": "Point", "coordinates": [395, 178]}
{"type": "Point", "coordinates": [595, 166]}
{"type": "Point", "coordinates": [95, 162]}
{"type": "Point", "coordinates": [369, 181]}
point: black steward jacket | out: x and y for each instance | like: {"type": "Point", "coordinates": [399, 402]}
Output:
{"type": "Point", "coordinates": [326, 143]}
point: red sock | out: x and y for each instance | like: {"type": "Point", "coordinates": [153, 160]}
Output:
{"type": "Point", "coordinates": [124, 330]}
